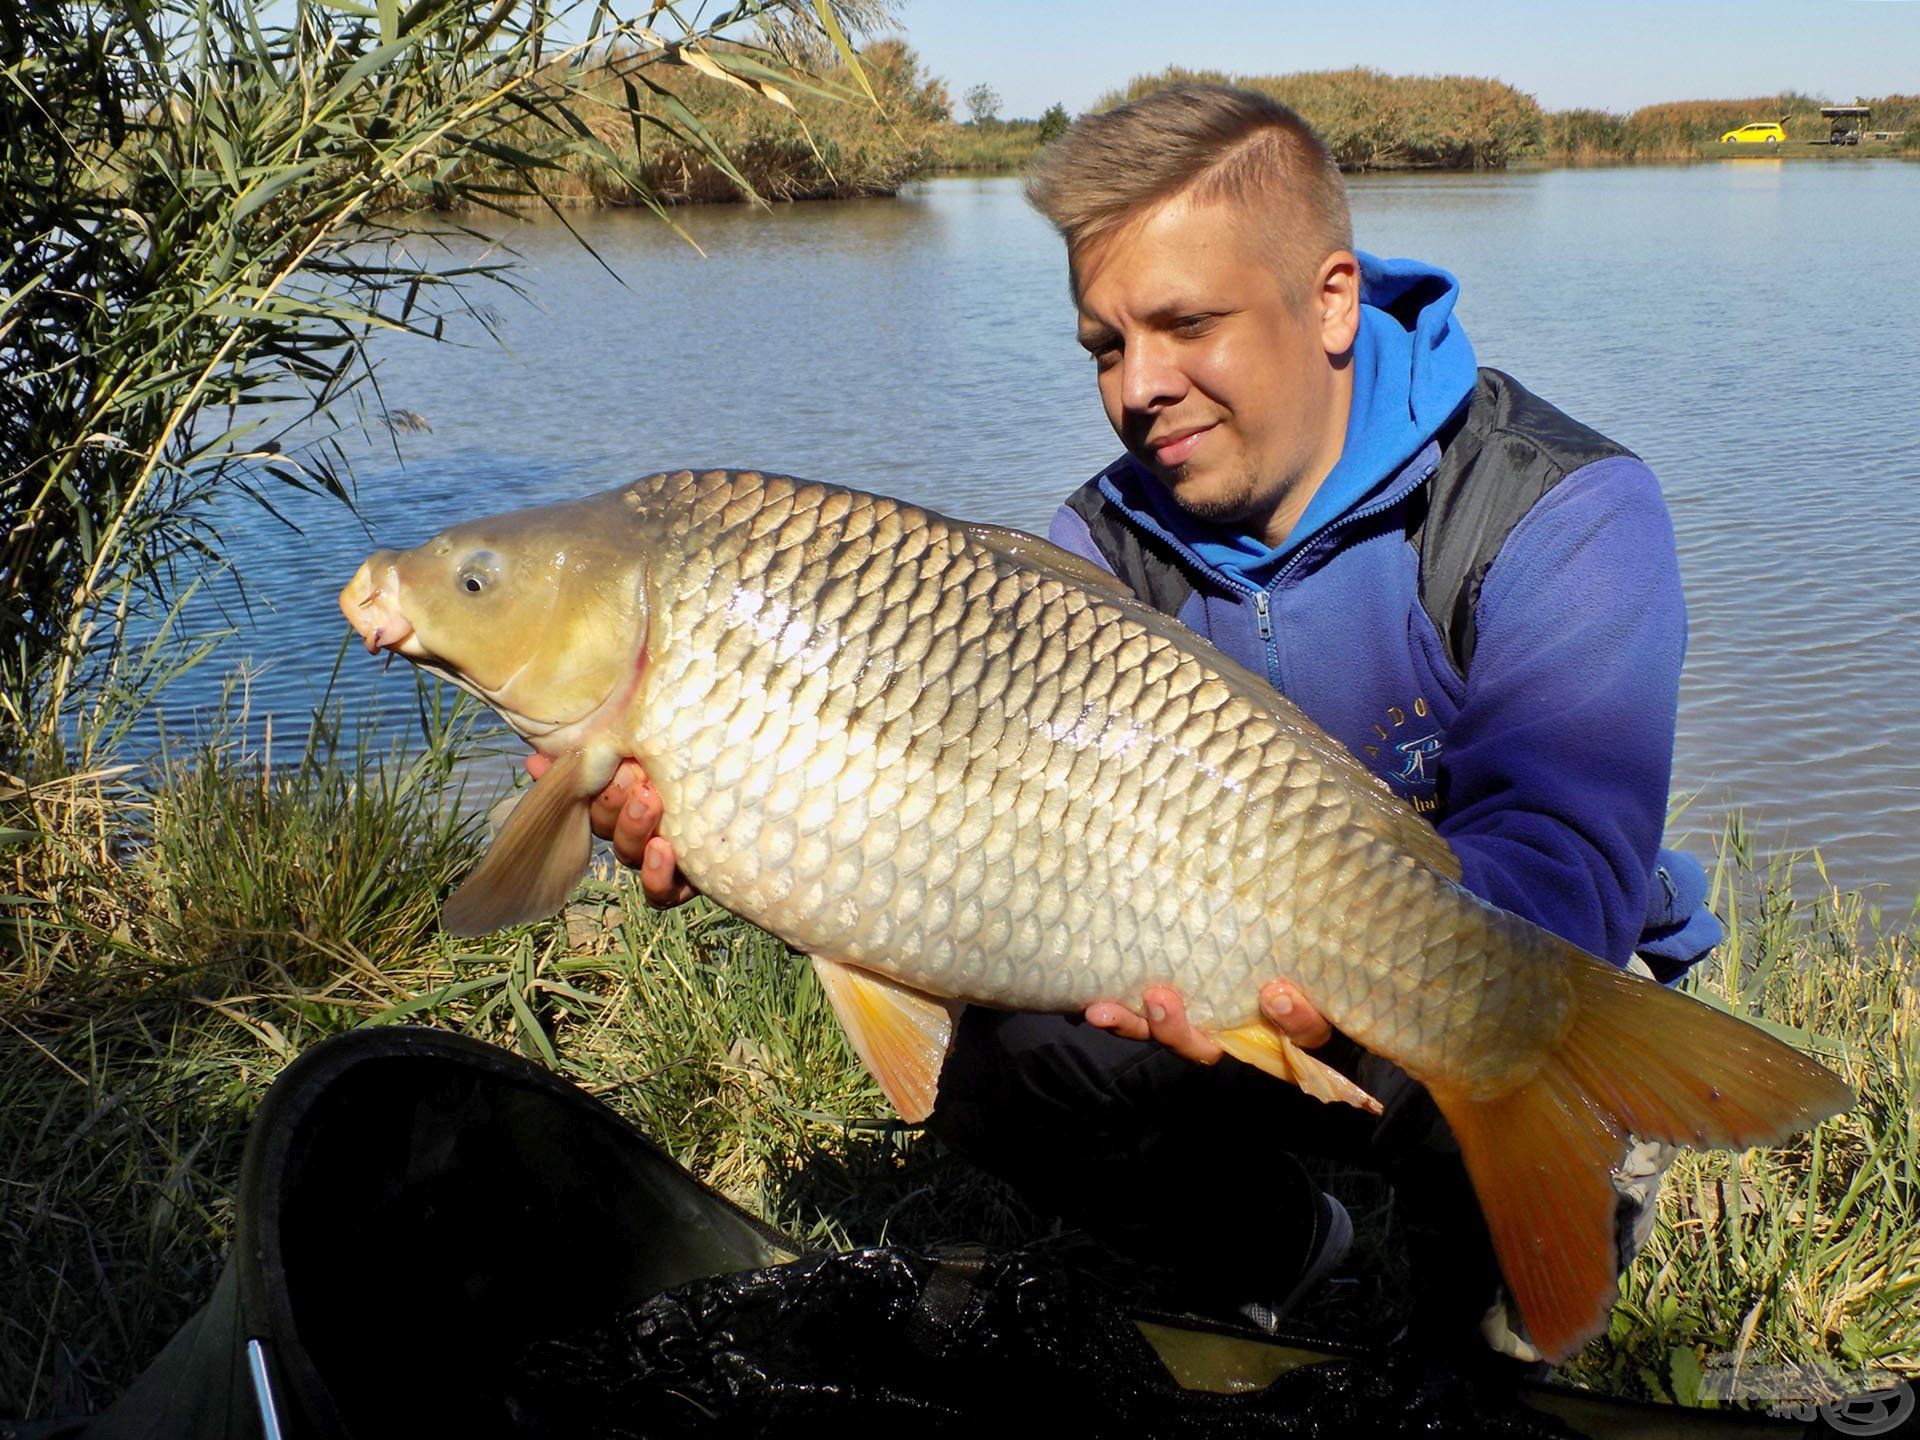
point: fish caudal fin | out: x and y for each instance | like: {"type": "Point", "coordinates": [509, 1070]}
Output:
{"type": "Point", "coordinates": [543, 847]}
{"type": "Point", "coordinates": [900, 1034]}
{"type": "Point", "coordinates": [1639, 1059]}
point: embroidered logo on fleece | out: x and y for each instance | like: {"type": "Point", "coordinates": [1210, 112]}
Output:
{"type": "Point", "coordinates": [1409, 752]}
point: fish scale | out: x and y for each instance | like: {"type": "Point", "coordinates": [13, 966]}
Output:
{"type": "Point", "coordinates": [1213, 839]}
{"type": "Point", "coordinates": [963, 759]}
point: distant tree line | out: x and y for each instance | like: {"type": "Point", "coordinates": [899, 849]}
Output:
{"type": "Point", "coordinates": [1375, 121]}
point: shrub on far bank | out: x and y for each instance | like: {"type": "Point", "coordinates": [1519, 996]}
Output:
{"type": "Point", "coordinates": [1586, 135]}
{"type": "Point", "coordinates": [986, 147]}
{"type": "Point", "coordinates": [1375, 121]}
{"type": "Point", "coordinates": [1689, 129]}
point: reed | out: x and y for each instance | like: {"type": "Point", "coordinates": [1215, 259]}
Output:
{"type": "Point", "coordinates": [995, 147]}
{"type": "Point", "coordinates": [1375, 121]}
{"type": "Point", "coordinates": [202, 235]}
{"type": "Point", "coordinates": [1691, 129]}
{"type": "Point", "coordinates": [825, 147]}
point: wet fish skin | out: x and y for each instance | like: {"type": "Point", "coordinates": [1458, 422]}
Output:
{"type": "Point", "coordinates": [1023, 791]}
{"type": "Point", "coordinates": [958, 758]}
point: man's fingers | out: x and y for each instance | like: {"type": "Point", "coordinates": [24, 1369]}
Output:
{"type": "Point", "coordinates": [1295, 1015]}
{"type": "Point", "coordinates": [635, 823]}
{"type": "Point", "coordinates": [537, 764]}
{"type": "Point", "coordinates": [1167, 1023]}
{"type": "Point", "coordinates": [1119, 1019]}
{"type": "Point", "coordinates": [660, 878]}
{"type": "Point", "coordinates": [604, 810]}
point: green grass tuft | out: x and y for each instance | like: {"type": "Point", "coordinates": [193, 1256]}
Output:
{"type": "Point", "coordinates": [171, 941]}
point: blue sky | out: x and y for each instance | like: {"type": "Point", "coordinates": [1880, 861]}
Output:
{"type": "Point", "coordinates": [1614, 55]}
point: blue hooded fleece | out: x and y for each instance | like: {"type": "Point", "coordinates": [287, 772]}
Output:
{"type": "Point", "coordinates": [1546, 765]}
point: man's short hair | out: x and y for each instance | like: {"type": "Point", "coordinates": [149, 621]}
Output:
{"type": "Point", "coordinates": [1212, 142]}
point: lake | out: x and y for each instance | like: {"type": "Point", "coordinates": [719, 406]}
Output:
{"type": "Point", "coordinates": [1750, 328]}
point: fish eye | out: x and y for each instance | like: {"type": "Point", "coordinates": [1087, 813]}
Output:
{"type": "Point", "coordinates": [479, 570]}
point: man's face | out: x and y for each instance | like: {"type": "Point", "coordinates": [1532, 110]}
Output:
{"type": "Point", "coordinates": [1233, 397]}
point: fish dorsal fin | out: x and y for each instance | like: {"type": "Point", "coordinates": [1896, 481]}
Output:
{"type": "Point", "coordinates": [900, 1034]}
{"type": "Point", "coordinates": [532, 867]}
{"type": "Point", "coordinates": [1264, 1047]}
{"type": "Point", "coordinates": [1047, 557]}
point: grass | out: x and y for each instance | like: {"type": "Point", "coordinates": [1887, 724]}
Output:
{"type": "Point", "coordinates": [998, 147]}
{"type": "Point", "coordinates": [173, 939]}
{"type": "Point", "coordinates": [1809, 1253]}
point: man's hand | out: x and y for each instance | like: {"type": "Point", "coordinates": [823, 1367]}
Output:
{"type": "Point", "coordinates": [627, 813]}
{"type": "Point", "coordinates": [1166, 1021]}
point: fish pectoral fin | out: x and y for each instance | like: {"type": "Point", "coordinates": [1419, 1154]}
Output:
{"type": "Point", "coordinates": [1261, 1045]}
{"type": "Point", "coordinates": [901, 1034]}
{"type": "Point", "coordinates": [532, 867]}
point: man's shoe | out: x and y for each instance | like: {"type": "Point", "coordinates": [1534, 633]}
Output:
{"type": "Point", "coordinates": [1332, 1238]}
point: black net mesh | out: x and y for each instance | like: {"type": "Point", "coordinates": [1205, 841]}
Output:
{"type": "Point", "coordinates": [939, 1346]}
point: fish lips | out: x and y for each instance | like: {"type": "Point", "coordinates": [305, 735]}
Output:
{"type": "Point", "coordinates": [371, 603]}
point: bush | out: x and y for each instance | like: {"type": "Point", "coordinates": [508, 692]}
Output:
{"type": "Point", "coordinates": [1372, 120]}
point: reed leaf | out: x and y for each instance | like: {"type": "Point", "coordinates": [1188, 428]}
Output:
{"type": "Point", "coordinates": [207, 204]}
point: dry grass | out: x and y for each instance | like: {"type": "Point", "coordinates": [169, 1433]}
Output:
{"type": "Point", "coordinates": [171, 941]}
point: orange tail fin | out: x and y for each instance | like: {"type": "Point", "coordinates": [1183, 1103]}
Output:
{"type": "Point", "coordinates": [1636, 1058]}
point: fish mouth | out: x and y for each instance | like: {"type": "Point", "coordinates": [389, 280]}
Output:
{"type": "Point", "coordinates": [371, 603]}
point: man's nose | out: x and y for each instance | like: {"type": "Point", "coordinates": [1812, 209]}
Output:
{"type": "Point", "coordinates": [1149, 377]}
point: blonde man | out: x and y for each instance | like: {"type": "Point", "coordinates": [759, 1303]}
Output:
{"type": "Point", "coordinates": [1476, 594]}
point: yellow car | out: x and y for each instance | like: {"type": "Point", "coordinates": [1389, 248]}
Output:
{"type": "Point", "coordinates": [1760, 132]}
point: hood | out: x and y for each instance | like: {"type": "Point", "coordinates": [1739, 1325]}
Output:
{"type": "Point", "coordinates": [1413, 367]}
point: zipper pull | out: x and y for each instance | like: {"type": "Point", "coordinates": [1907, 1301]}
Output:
{"type": "Point", "coordinates": [1260, 613]}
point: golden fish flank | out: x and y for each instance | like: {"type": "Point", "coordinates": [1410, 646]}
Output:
{"type": "Point", "coordinates": [952, 762]}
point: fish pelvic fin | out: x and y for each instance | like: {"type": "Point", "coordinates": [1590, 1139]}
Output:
{"type": "Point", "coordinates": [1635, 1059]}
{"type": "Point", "coordinates": [537, 859]}
{"type": "Point", "coordinates": [1261, 1045]}
{"type": "Point", "coordinates": [900, 1034]}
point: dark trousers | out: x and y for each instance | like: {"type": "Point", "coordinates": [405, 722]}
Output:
{"type": "Point", "coordinates": [1191, 1169]}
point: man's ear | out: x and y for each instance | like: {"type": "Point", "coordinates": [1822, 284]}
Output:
{"type": "Point", "coordinates": [1336, 301]}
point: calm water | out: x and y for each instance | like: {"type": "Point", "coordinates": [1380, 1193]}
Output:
{"type": "Point", "coordinates": [1752, 329]}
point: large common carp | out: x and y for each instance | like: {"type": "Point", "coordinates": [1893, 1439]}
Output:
{"type": "Point", "coordinates": [954, 763]}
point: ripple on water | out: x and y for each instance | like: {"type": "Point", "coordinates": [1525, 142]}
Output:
{"type": "Point", "coordinates": [1713, 318]}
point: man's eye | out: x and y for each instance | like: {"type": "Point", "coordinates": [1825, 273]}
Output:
{"type": "Point", "coordinates": [1191, 325]}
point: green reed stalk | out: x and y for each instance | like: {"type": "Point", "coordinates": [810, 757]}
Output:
{"type": "Point", "coordinates": [203, 236]}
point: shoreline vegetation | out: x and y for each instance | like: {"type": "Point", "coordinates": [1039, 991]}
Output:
{"type": "Point", "coordinates": [176, 938]}
{"type": "Point", "coordinates": [1376, 122]}
{"type": "Point", "coordinates": [193, 246]}
{"type": "Point", "coordinates": [826, 148]}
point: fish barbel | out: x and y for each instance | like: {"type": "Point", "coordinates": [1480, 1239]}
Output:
{"type": "Point", "coordinates": [954, 763]}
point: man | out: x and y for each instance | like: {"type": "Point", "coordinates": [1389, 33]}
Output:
{"type": "Point", "coordinates": [1475, 594]}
